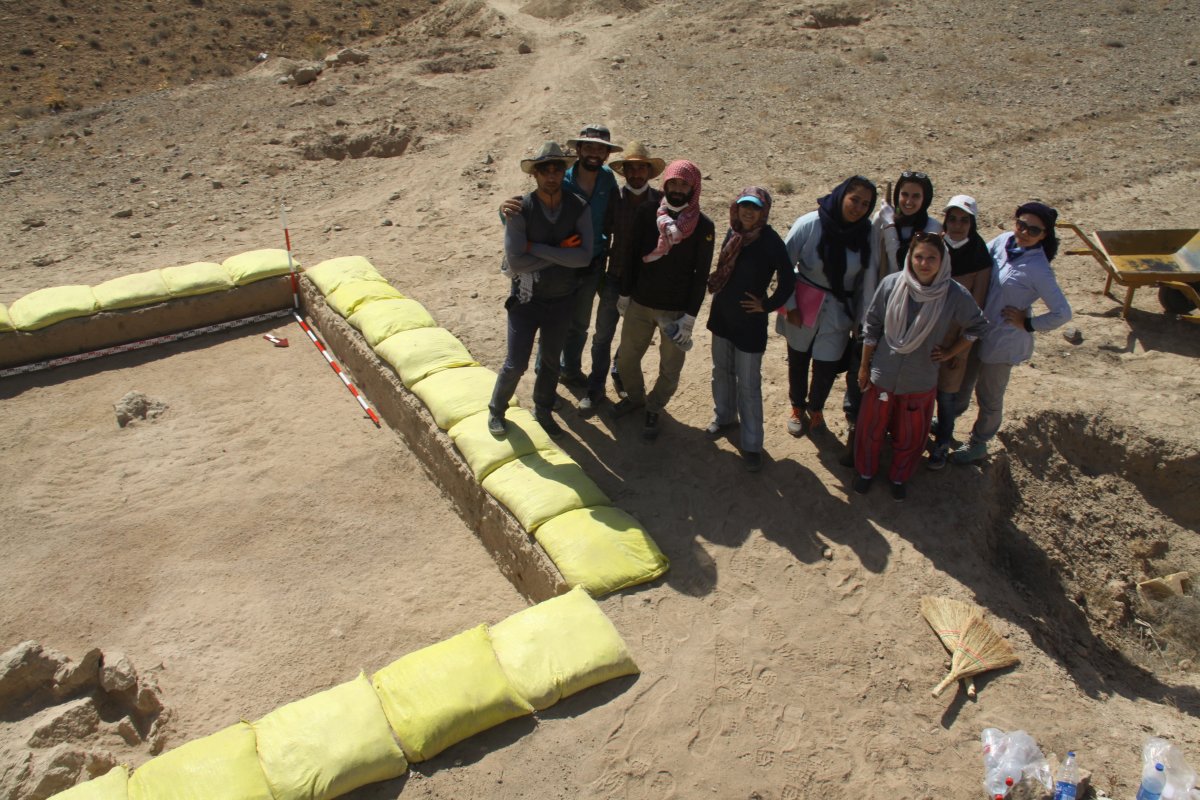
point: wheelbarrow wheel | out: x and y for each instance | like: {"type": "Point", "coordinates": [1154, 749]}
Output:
{"type": "Point", "coordinates": [1174, 301]}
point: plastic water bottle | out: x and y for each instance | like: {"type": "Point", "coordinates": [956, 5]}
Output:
{"type": "Point", "coordinates": [671, 330]}
{"type": "Point", "coordinates": [1153, 782]}
{"type": "Point", "coordinates": [1068, 779]}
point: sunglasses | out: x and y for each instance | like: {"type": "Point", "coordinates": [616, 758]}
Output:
{"type": "Point", "coordinates": [1032, 230]}
{"type": "Point", "coordinates": [926, 237]}
{"type": "Point", "coordinates": [921, 176]}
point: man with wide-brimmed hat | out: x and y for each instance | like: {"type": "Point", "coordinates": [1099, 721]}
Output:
{"type": "Point", "coordinates": [638, 168]}
{"type": "Point", "coordinates": [547, 245]}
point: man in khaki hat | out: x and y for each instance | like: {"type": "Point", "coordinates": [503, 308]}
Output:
{"type": "Point", "coordinates": [547, 245]}
{"type": "Point", "coordinates": [638, 168]}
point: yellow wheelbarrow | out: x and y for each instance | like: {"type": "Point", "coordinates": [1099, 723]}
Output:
{"type": "Point", "coordinates": [1167, 259]}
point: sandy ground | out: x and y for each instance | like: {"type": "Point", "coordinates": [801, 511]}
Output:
{"type": "Point", "coordinates": [262, 540]}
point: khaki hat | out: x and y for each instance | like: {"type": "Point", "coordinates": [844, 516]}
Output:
{"type": "Point", "coordinates": [637, 152]}
{"type": "Point", "coordinates": [596, 134]}
{"type": "Point", "coordinates": [550, 151]}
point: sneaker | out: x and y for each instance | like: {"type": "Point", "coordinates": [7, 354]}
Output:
{"type": "Point", "coordinates": [816, 421]}
{"type": "Point", "coordinates": [797, 423]}
{"type": "Point", "coordinates": [625, 407]}
{"type": "Point", "coordinates": [938, 456]}
{"type": "Point", "coordinates": [970, 453]}
{"type": "Point", "coordinates": [753, 460]}
{"type": "Point", "coordinates": [650, 428]}
{"type": "Point", "coordinates": [496, 425]}
{"type": "Point", "coordinates": [862, 484]}
{"type": "Point", "coordinates": [587, 406]}
{"type": "Point", "coordinates": [619, 385]}
{"type": "Point", "coordinates": [546, 420]}
{"type": "Point", "coordinates": [715, 429]}
{"type": "Point", "coordinates": [899, 491]}
{"type": "Point", "coordinates": [573, 378]}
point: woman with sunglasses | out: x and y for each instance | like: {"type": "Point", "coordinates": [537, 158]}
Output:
{"type": "Point", "coordinates": [1021, 275]}
{"type": "Point", "coordinates": [829, 248]}
{"type": "Point", "coordinates": [907, 320]}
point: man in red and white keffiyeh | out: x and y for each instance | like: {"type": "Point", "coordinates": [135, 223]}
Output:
{"type": "Point", "coordinates": [680, 208]}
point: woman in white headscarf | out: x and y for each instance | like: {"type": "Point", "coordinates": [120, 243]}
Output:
{"type": "Point", "coordinates": [908, 318]}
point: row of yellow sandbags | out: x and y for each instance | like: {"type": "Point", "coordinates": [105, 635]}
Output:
{"type": "Point", "coordinates": [44, 307]}
{"type": "Point", "coordinates": [346, 737]}
{"type": "Point", "coordinates": [594, 544]}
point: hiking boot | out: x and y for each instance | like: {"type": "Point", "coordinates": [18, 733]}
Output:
{"type": "Point", "coordinates": [496, 426]}
{"type": "Point", "coordinates": [797, 423]}
{"type": "Point", "coordinates": [625, 407]}
{"type": "Point", "coordinates": [587, 406]}
{"type": "Point", "coordinates": [715, 429]}
{"type": "Point", "coordinates": [546, 420]}
{"type": "Point", "coordinates": [619, 385]}
{"type": "Point", "coordinates": [650, 428]}
{"type": "Point", "coordinates": [969, 453]}
{"type": "Point", "coordinates": [753, 461]}
{"type": "Point", "coordinates": [573, 378]}
{"type": "Point", "coordinates": [938, 456]}
{"type": "Point", "coordinates": [899, 492]}
{"type": "Point", "coordinates": [862, 484]}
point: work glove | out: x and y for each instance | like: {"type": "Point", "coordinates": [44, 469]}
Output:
{"type": "Point", "coordinates": [623, 304]}
{"type": "Point", "coordinates": [887, 214]}
{"type": "Point", "coordinates": [683, 333]}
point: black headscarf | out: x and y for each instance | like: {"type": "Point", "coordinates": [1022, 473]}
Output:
{"type": "Point", "coordinates": [917, 221]}
{"type": "Point", "coordinates": [838, 236]}
{"type": "Point", "coordinates": [1048, 216]}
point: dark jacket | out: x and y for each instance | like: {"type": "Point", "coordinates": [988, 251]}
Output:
{"type": "Point", "coordinates": [677, 281]}
{"type": "Point", "coordinates": [624, 207]}
{"type": "Point", "coordinates": [758, 262]}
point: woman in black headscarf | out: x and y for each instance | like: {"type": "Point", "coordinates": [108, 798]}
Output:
{"type": "Point", "coordinates": [829, 248]}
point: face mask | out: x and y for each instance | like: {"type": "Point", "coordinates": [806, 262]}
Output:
{"type": "Point", "coordinates": [677, 201]}
{"type": "Point", "coordinates": [955, 244]}
{"type": "Point", "coordinates": [638, 192]}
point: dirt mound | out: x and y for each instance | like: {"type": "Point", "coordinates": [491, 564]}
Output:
{"type": "Point", "coordinates": [389, 142]}
{"type": "Point", "coordinates": [1106, 506]}
{"type": "Point", "coordinates": [560, 9]}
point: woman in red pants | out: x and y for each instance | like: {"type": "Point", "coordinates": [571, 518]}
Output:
{"type": "Point", "coordinates": [908, 317]}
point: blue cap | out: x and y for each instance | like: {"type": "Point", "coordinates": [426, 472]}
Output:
{"type": "Point", "coordinates": [748, 198]}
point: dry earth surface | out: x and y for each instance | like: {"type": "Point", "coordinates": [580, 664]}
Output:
{"type": "Point", "coordinates": [260, 540]}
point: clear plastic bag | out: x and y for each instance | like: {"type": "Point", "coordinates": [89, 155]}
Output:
{"type": "Point", "coordinates": [1181, 778]}
{"type": "Point", "coordinates": [1012, 755]}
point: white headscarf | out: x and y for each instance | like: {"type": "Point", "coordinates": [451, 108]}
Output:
{"type": "Point", "coordinates": [905, 335]}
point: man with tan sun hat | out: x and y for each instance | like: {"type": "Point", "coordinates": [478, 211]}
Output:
{"type": "Point", "coordinates": [638, 168]}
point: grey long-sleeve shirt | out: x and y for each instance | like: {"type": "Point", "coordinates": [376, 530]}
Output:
{"type": "Point", "coordinates": [542, 255]}
{"type": "Point", "coordinates": [917, 371]}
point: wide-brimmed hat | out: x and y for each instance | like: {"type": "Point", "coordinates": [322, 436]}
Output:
{"type": "Point", "coordinates": [596, 134]}
{"type": "Point", "coordinates": [550, 151]}
{"type": "Point", "coordinates": [637, 153]}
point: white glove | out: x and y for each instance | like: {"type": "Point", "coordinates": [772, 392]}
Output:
{"type": "Point", "coordinates": [683, 334]}
{"type": "Point", "coordinates": [887, 214]}
{"type": "Point", "coordinates": [623, 304]}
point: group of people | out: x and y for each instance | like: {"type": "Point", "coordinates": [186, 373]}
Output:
{"type": "Point", "coordinates": [917, 309]}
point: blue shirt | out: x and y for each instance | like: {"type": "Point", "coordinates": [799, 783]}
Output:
{"type": "Point", "coordinates": [1018, 281]}
{"type": "Point", "coordinates": [606, 186]}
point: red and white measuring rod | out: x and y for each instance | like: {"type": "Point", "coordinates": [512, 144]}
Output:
{"type": "Point", "coordinates": [141, 344]}
{"type": "Point", "coordinates": [337, 369]}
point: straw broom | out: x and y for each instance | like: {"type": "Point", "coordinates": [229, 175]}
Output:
{"type": "Point", "coordinates": [979, 649]}
{"type": "Point", "coordinates": [949, 618]}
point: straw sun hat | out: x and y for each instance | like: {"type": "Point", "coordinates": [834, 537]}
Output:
{"type": "Point", "coordinates": [636, 152]}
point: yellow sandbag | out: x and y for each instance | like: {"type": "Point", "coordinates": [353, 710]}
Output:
{"type": "Point", "coordinates": [383, 318]}
{"type": "Point", "coordinates": [112, 785]}
{"type": "Point", "coordinates": [353, 295]}
{"type": "Point", "coordinates": [328, 744]}
{"type": "Point", "coordinates": [455, 394]}
{"type": "Point", "coordinates": [332, 273]}
{"type": "Point", "coordinates": [218, 767]}
{"type": "Point", "coordinates": [201, 277]}
{"type": "Point", "coordinates": [45, 307]}
{"type": "Point", "coordinates": [542, 486]}
{"type": "Point", "coordinates": [559, 647]}
{"type": "Point", "coordinates": [446, 692]}
{"type": "Point", "coordinates": [5, 322]}
{"type": "Point", "coordinates": [602, 549]}
{"type": "Point", "coordinates": [129, 291]}
{"type": "Point", "coordinates": [485, 452]}
{"type": "Point", "coordinates": [258, 264]}
{"type": "Point", "coordinates": [421, 352]}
